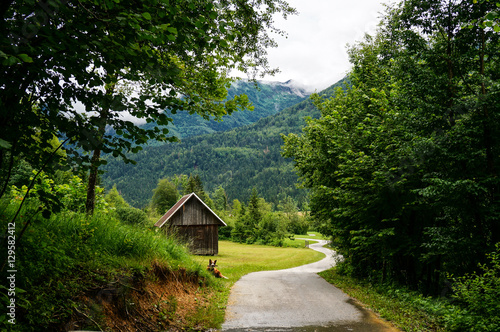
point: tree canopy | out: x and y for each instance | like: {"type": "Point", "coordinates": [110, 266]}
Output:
{"type": "Point", "coordinates": [403, 165]}
{"type": "Point", "coordinates": [164, 196]}
{"type": "Point", "coordinates": [74, 68]}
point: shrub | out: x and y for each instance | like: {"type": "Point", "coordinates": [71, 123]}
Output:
{"type": "Point", "coordinates": [225, 232]}
{"type": "Point", "coordinates": [114, 199]}
{"type": "Point", "coordinates": [131, 215]}
{"type": "Point", "coordinates": [479, 294]}
{"type": "Point", "coordinates": [298, 225]}
{"type": "Point", "coordinates": [165, 196]}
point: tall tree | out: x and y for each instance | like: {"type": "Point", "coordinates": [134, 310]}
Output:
{"type": "Point", "coordinates": [402, 165]}
{"type": "Point", "coordinates": [76, 68]}
{"type": "Point", "coordinates": [165, 196]}
{"type": "Point", "coordinates": [254, 214]}
{"type": "Point", "coordinates": [194, 185]}
{"type": "Point", "coordinates": [114, 199]}
{"type": "Point", "coordinates": [220, 199]}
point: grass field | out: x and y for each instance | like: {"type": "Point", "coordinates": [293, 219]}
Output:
{"type": "Point", "coordinates": [236, 260]}
{"type": "Point", "coordinates": [312, 236]}
{"type": "Point", "coordinates": [298, 241]}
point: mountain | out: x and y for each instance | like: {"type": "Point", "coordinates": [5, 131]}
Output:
{"type": "Point", "coordinates": [238, 160]}
{"type": "Point", "coordinates": [268, 98]}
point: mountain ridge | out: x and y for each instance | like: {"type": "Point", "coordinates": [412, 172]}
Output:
{"type": "Point", "coordinates": [238, 160]}
{"type": "Point", "coordinates": [267, 98]}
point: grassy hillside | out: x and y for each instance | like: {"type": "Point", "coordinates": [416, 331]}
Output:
{"type": "Point", "coordinates": [239, 160]}
{"type": "Point", "coordinates": [76, 272]}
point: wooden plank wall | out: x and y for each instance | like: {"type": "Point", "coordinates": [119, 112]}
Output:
{"type": "Point", "coordinates": [204, 240]}
{"type": "Point", "coordinates": [198, 226]}
{"type": "Point", "coordinates": [193, 213]}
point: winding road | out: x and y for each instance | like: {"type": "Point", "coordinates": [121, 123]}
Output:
{"type": "Point", "coordinates": [295, 300]}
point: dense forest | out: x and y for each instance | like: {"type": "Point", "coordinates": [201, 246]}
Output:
{"type": "Point", "coordinates": [237, 160]}
{"type": "Point", "coordinates": [403, 165]}
{"type": "Point", "coordinates": [267, 98]}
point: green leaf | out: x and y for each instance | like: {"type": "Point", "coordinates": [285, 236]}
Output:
{"type": "Point", "coordinates": [4, 144]}
{"type": "Point", "coordinates": [491, 16]}
{"type": "Point", "coordinates": [147, 16]}
{"type": "Point", "coordinates": [11, 60]}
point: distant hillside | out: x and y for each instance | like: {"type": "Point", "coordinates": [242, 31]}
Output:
{"type": "Point", "coordinates": [268, 98]}
{"type": "Point", "coordinates": [239, 160]}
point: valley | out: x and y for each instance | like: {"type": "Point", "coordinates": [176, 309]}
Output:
{"type": "Point", "coordinates": [237, 159]}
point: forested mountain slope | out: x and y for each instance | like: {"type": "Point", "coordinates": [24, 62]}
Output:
{"type": "Point", "coordinates": [238, 160]}
{"type": "Point", "coordinates": [268, 98]}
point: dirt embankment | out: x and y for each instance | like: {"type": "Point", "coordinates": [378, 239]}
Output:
{"type": "Point", "coordinates": [160, 299]}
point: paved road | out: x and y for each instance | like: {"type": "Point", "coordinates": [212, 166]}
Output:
{"type": "Point", "coordinates": [296, 299]}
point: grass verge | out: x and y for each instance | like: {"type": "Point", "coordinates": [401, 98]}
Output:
{"type": "Point", "coordinates": [407, 310]}
{"type": "Point", "coordinates": [65, 262]}
{"type": "Point", "coordinates": [313, 236]}
{"type": "Point", "coordinates": [297, 242]}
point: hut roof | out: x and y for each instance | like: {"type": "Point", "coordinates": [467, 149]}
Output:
{"type": "Point", "coordinates": [178, 205]}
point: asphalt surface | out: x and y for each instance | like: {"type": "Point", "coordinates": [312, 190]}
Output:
{"type": "Point", "coordinates": [296, 299]}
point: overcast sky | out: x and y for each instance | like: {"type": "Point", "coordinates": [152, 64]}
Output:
{"type": "Point", "coordinates": [314, 53]}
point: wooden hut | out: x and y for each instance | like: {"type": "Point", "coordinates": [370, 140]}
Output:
{"type": "Point", "coordinates": [196, 222]}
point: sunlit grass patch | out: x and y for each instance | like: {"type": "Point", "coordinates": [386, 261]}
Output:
{"type": "Point", "coordinates": [298, 242]}
{"type": "Point", "coordinates": [313, 235]}
{"type": "Point", "coordinates": [236, 259]}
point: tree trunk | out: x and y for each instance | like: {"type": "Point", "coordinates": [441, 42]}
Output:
{"type": "Point", "coordinates": [486, 117]}
{"type": "Point", "coordinates": [5, 181]}
{"type": "Point", "coordinates": [94, 170]}
{"type": "Point", "coordinates": [94, 167]}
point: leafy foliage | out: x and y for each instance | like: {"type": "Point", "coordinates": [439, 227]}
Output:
{"type": "Point", "coordinates": [402, 165]}
{"type": "Point", "coordinates": [258, 224]}
{"type": "Point", "coordinates": [132, 215]}
{"type": "Point", "coordinates": [71, 253]}
{"type": "Point", "coordinates": [165, 196]}
{"type": "Point", "coordinates": [114, 199]}
{"type": "Point", "coordinates": [101, 63]}
{"type": "Point", "coordinates": [479, 293]}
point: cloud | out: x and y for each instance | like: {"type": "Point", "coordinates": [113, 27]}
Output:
{"type": "Point", "coordinates": [315, 52]}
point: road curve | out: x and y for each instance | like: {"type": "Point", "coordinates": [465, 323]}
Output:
{"type": "Point", "coordinates": [296, 299]}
